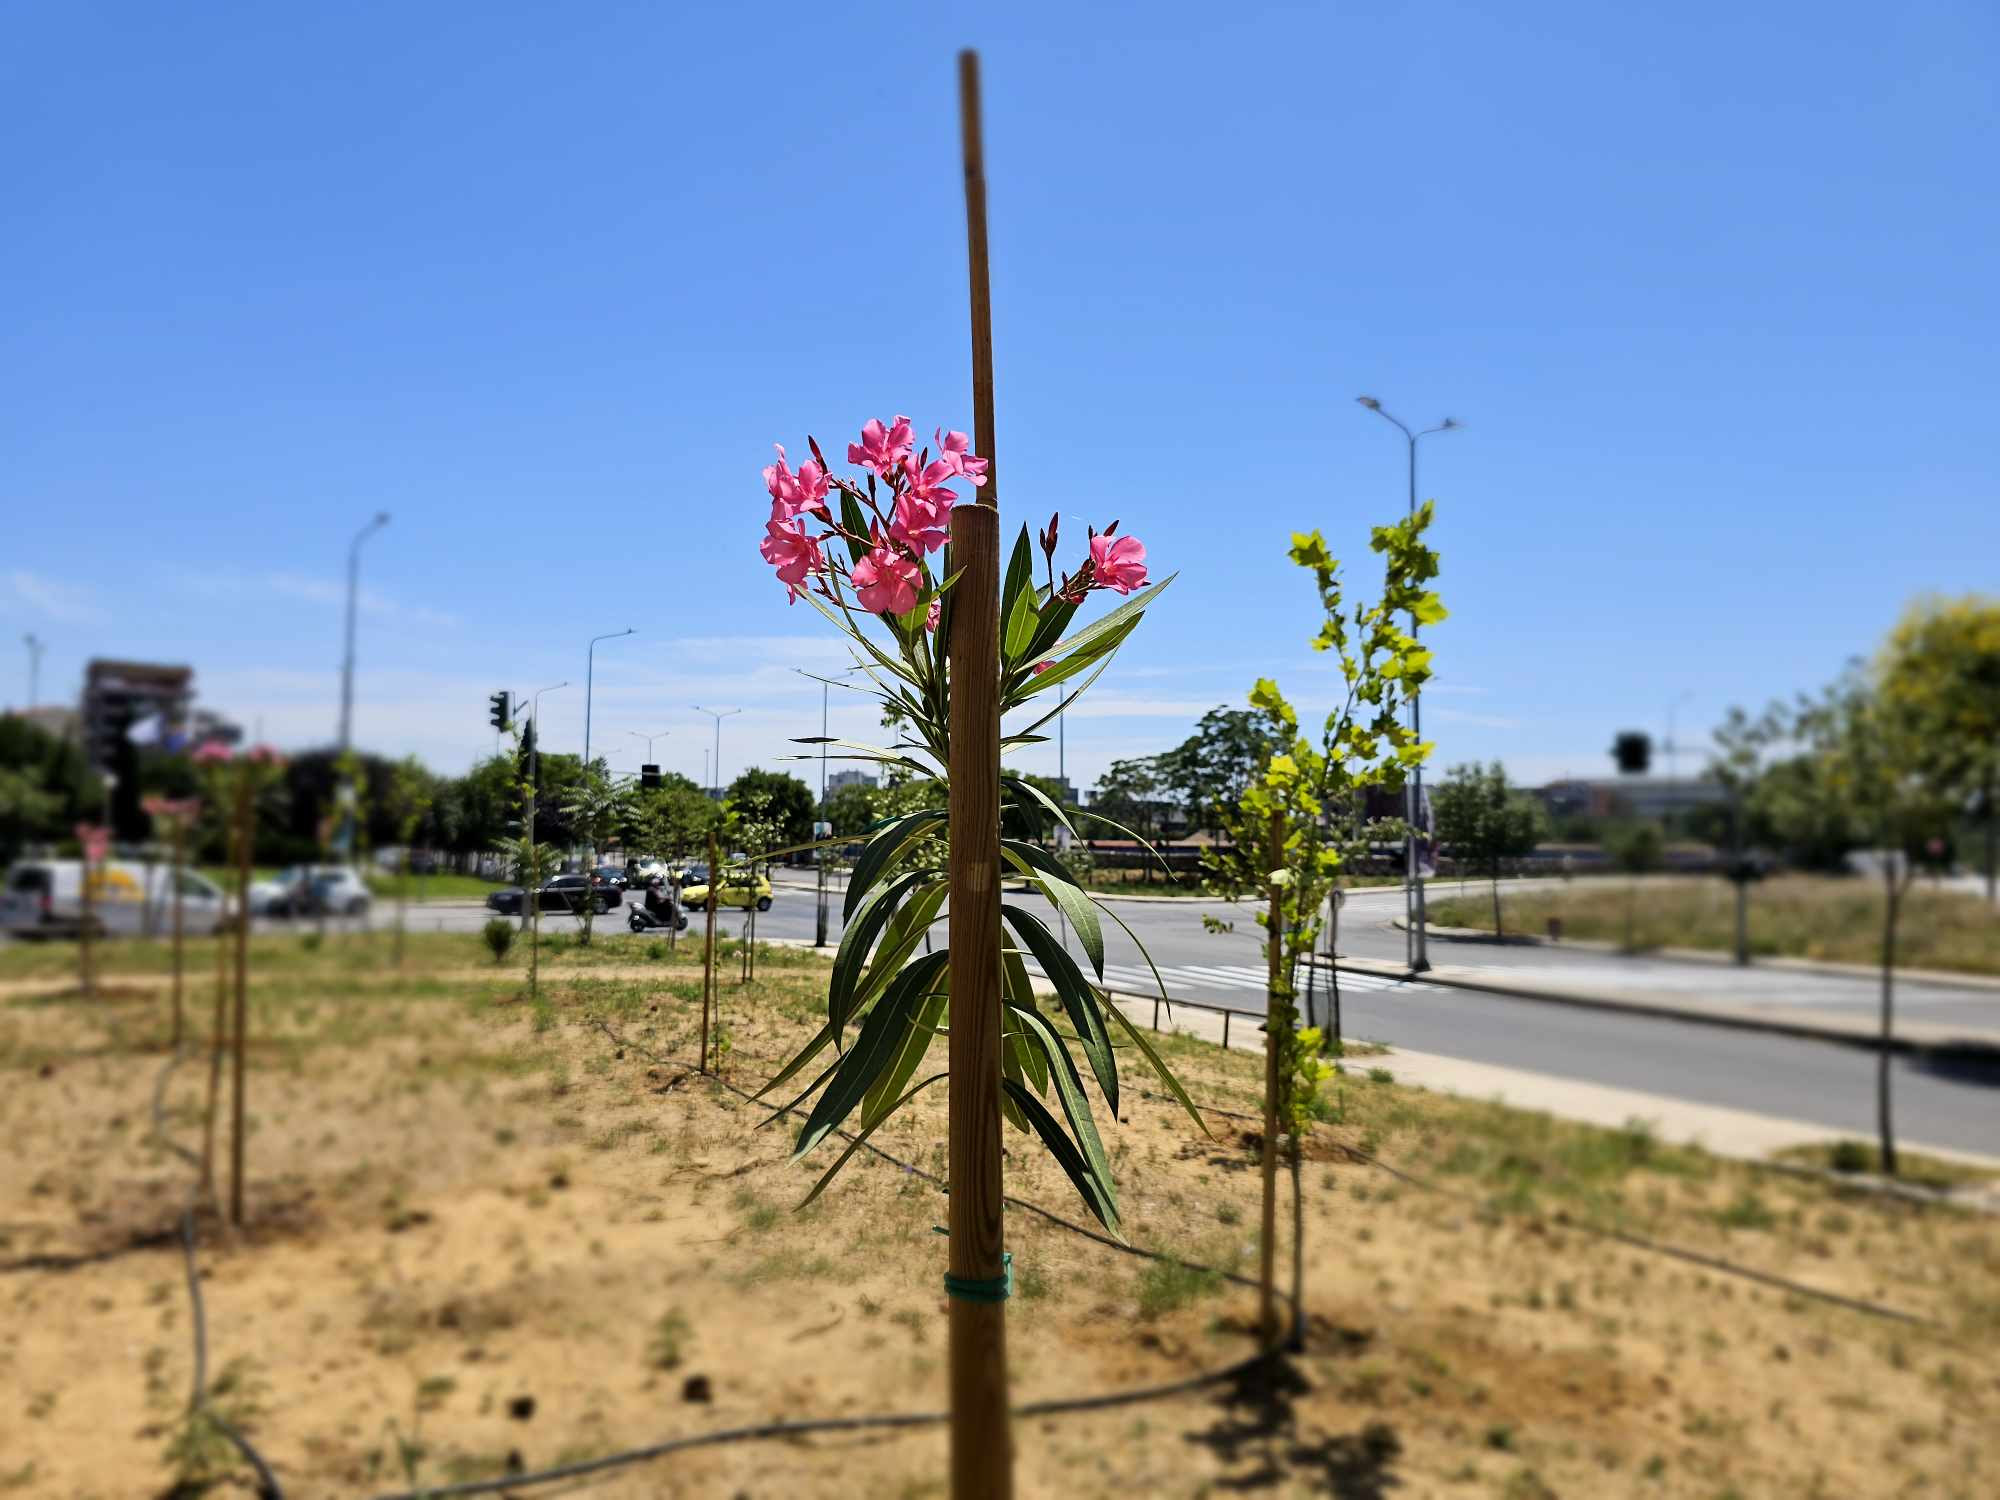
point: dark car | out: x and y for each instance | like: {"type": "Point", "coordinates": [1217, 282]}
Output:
{"type": "Point", "coordinates": [564, 893]}
{"type": "Point", "coordinates": [613, 877]}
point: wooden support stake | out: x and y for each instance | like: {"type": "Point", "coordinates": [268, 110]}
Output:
{"type": "Point", "coordinates": [245, 817]}
{"type": "Point", "coordinates": [1267, 1314]}
{"type": "Point", "coordinates": [708, 953]}
{"type": "Point", "coordinates": [180, 860]}
{"type": "Point", "coordinates": [982, 1448]}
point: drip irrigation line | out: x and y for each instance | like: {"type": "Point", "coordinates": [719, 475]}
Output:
{"type": "Point", "coordinates": [198, 1402]}
{"type": "Point", "coordinates": [881, 1421]}
{"type": "Point", "coordinates": [1621, 1236]}
{"type": "Point", "coordinates": [809, 1426]}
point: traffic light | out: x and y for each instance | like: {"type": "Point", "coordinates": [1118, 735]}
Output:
{"type": "Point", "coordinates": [1633, 750]}
{"type": "Point", "coordinates": [499, 702]}
{"type": "Point", "coordinates": [649, 778]}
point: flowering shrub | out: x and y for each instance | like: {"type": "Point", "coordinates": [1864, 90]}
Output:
{"type": "Point", "coordinates": [870, 553]}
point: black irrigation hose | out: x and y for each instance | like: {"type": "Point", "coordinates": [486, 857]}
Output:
{"type": "Point", "coordinates": [198, 1402]}
{"type": "Point", "coordinates": [886, 1420]}
{"type": "Point", "coordinates": [1624, 1237]}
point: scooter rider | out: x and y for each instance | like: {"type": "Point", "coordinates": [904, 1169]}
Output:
{"type": "Point", "coordinates": [659, 905]}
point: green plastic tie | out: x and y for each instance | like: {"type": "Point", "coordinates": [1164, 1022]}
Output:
{"type": "Point", "coordinates": [980, 1288]}
{"type": "Point", "coordinates": [983, 1289]}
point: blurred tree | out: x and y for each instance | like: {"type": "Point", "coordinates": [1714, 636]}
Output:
{"type": "Point", "coordinates": [1206, 774]}
{"type": "Point", "coordinates": [1941, 668]}
{"type": "Point", "coordinates": [1635, 848]}
{"type": "Point", "coordinates": [55, 767]}
{"type": "Point", "coordinates": [851, 808]}
{"type": "Point", "coordinates": [1485, 823]}
{"type": "Point", "coordinates": [775, 800]}
{"type": "Point", "coordinates": [1876, 757]}
{"type": "Point", "coordinates": [1134, 793]}
{"type": "Point", "coordinates": [26, 810]}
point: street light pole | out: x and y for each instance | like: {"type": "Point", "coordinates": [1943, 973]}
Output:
{"type": "Point", "coordinates": [819, 855]}
{"type": "Point", "coordinates": [649, 738]}
{"type": "Point", "coordinates": [347, 663]}
{"type": "Point", "coordinates": [718, 716]}
{"type": "Point", "coordinates": [1414, 794]}
{"type": "Point", "coordinates": [36, 646]}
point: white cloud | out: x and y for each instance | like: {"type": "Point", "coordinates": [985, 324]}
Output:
{"type": "Point", "coordinates": [68, 603]}
{"type": "Point", "coordinates": [325, 593]}
{"type": "Point", "coordinates": [1479, 721]}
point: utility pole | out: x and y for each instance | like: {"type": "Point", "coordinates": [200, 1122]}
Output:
{"type": "Point", "coordinates": [718, 716]}
{"type": "Point", "coordinates": [36, 646]}
{"type": "Point", "coordinates": [344, 796]}
{"type": "Point", "coordinates": [531, 895]}
{"type": "Point", "coordinates": [1414, 794]}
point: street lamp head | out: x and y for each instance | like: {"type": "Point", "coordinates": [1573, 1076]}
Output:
{"type": "Point", "coordinates": [1450, 424]}
{"type": "Point", "coordinates": [1370, 402]}
{"type": "Point", "coordinates": [381, 518]}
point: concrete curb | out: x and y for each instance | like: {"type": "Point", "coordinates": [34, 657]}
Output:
{"type": "Point", "coordinates": [1829, 967]}
{"type": "Point", "coordinates": [1851, 1031]}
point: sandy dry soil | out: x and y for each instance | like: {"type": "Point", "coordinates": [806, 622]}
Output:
{"type": "Point", "coordinates": [483, 1233]}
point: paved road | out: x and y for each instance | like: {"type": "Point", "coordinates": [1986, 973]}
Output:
{"type": "Point", "coordinates": [1829, 1084]}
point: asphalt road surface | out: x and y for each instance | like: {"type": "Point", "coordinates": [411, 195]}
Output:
{"type": "Point", "coordinates": [1947, 1104]}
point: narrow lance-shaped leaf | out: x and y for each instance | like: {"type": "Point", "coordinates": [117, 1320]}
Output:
{"type": "Point", "coordinates": [1093, 1189]}
{"type": "Point", "coordinates": [872, 1051]}
{"type": "Point", "coordinates": [883, 849]}
{"type": "Point", "coordinates": [1069, 1089]}
{"type": "Point", "coordinates": [1078, 998]}
{"type": "Point", "coordinates": [1055, 882]}
{"type": "Point", "coordinates": [874, 1122]}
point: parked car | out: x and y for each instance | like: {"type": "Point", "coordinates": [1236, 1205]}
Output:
{"type": "Point", "coordinates": [44, 898]}
{"type": "Point", "coordinates": [563, 893]}
{"type": "Point", "coordinates": [613, 876]}
{"type": "Point", "coordinates": [739, 888]}
{"type": "Point", "coordinates": [309, 890]}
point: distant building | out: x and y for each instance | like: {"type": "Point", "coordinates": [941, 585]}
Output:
{"type": "Point", "coordinates": [1631, 796]}
{"type": "Point", "coordinates": [840, 779]}
{"type": "Point", "coordinates": [119, 694]}
{"type": "Point", "coordinates": [1069, 795]}
{"type": "Point", "coordinates": [51, 718]}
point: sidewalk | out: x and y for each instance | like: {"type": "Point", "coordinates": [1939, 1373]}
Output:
{"type": "Point", "coordinates": [1851, 1028]}
{"type": "Point", "coordinates": [1725, 1132]}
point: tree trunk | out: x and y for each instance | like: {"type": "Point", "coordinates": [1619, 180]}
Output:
{"type": "Point", "coordinates": [1298, 1255]}
{"type": "Point", "coordinates": [1333, 966]}
{"type": "Point", "coordinates": [402, 902]}
{"type": "Point", "coordinates": [180, 858]}
{"type": "Point", "coordinates": [1498, 930]}
{"type": "Point", "coordinates": [246, 814]}
{"type": "Point", "coordinates": [218, 1036]}
{"type": "Point", "coordinates": [86, 918]}
{"type": "Point", "coordinates": [1267, 1316]}
{"type": "Point", "coordinates": [1992, 844]}
{"type": "Point", "coordinates": [1742, 921]}
{"type": "Point", "coordinates": [708, 952]}
{"type": "Point", "coordinates": [1882, 1114]}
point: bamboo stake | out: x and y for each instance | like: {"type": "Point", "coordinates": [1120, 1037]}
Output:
{"type": "Point", "coordinates": [982, 1456]}
{"type": "Point", "coordinates": [245, 812]}
{"type": "Point", "coordinates": [217, 1037]}
{"type": "Point", "coordinates": [708, 950]}
{"type": "Point", "coordinates": [1267, 1314]}
{"type": "Point", "coordinates": [180, 860]}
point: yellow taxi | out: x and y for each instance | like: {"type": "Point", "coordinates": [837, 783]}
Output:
{"type": "Point", "coordinates": [739, 888]}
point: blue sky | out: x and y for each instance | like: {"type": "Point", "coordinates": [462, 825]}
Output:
{"type": "Point", "coordinates": [1712, 288]}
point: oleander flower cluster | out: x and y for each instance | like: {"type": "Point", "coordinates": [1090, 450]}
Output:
{"type": "Point", "coordinates": [872, 536]}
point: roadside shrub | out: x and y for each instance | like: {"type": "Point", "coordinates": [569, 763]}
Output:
{"type": "Point", "coordinates": [1850, 1156]}
{"type": "Point", "coordinates": [498, 935]}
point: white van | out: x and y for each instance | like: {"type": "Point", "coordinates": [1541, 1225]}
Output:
{"type": "Point", "coordinates": [44, 898]}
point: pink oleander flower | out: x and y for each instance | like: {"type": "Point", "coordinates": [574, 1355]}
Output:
{"type": "Point", "coordinates": [931, 616]}
{"type": "Point", "coordinates": [210, 753]}
{"type": "Point", "coordinates": [803, 491]}
{"type": "Point", "coordinates": [922, 521]}
{"type": "Point", "coordinates": [264, 755]}
{"type": "Point", "coordinates": [794, 554]}
{"type": "Point", "coordinates": [882, 449]}
{"type": "Point", "coordinates": [1042, 666]}
{"type": "Point", "coordinates": [886, 581]}
{"type": "Point", "coordinates": [1118, 562]}
{"type": "Point", "coordinates": [955, 448]}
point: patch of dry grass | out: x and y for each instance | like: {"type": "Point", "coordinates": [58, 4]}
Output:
{"type": "Point", "coordinates": [467, 1208]}
{"type": "Point", "coordinates": [1794, 916]}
